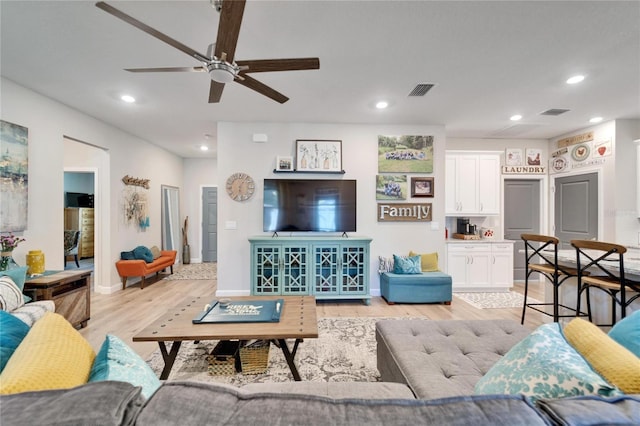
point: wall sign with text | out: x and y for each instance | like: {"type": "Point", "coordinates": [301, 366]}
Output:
{"type": "Point", "coordinates": [404, 212]}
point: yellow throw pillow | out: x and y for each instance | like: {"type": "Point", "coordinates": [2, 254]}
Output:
{"type": "Point", "coordinates": [618, 365]}
{"type": "Point", "coordinates": [53, 355]}
{"type": "Point", "coordinates": [428, 261]}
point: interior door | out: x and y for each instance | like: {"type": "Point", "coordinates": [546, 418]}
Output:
{"type": "Point", "coordinates": [576, 208]}
{"type": "Point", "coordinates": [210, 224]}
{"type": "Point", "coordinates": [521, 216]}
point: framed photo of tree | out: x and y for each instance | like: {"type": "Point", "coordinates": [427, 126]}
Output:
{"type": "Point", "coordinates": [318, 156]}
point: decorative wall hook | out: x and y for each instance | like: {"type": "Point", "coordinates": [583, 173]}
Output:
{"type": "Point", "coordinates": [128, 180]}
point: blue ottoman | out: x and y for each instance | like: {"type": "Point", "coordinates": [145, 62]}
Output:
{"type": "Point", "coordinates": [427, 287]}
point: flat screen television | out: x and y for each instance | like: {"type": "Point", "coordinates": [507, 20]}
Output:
{"type": "Point", "coordinates": [309, 205]}
{"type": "Point", "coordinates": [78, 199]}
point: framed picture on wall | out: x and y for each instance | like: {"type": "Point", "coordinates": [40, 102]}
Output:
{"type": "Point", "coordinates": [422, 187]}
{"type": "Point", "coordinates": [284, 163]}
{"type": "Point", "coordinates": [318, 155]}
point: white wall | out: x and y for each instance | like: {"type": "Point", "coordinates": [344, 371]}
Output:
{"type": "Point", "coordinates": [237, 153]}
{"type": "Point", "coordinates": [198, 173]}
{"type": "Point", "coordinates": [49, 122]}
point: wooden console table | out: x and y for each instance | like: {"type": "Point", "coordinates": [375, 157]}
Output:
{"type": "Point", "coordinates": [69, 290]}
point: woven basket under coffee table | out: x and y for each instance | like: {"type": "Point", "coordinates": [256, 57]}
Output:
{"type": "Point", "coordinates": [254, 357]}
{"type": "Point", "coordinates": [224, 358]}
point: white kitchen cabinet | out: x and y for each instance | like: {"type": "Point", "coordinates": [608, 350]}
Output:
{"type": "Point", "coordinates": [472, 183]}
{"type": "Point", "coordinates": [480, 266]}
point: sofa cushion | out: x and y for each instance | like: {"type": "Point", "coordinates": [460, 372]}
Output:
{"type": "Point", "coordinates": [117, 361]}
{"type": "Point", "coordinates": [199, 403]}
{"type": "Point", "coordinates": [593, 410]}
{"type": "Point", "coordinates": [614, 362]}
{"type": "Point", "coordinates": [101, 403]}
{"type": "Point", "coordinates": [19, 276]}
{"type": "Point", "coordinates": [544, 365]}
{"type": "Point", "coordinates": [336, 390]}
{"type": "Point", "coordinates": [53, 355]}
{"type": "Point", "coordinates": [12, 332]}
{"type": "Point", "coordinates": [428, 261]}
{"type": "Point", "coordinates": [143, 253]}
{"type": "Point", "coordinates": [627, 332]}
{"type": "Point", "coordinates": [406, 265]}
{"type": "Point", "coordinates": [10, 294]}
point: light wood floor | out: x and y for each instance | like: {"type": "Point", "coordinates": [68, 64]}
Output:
{"type": "Point", "coordinates": [126, 312]}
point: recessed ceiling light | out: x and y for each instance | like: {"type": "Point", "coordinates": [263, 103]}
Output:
{"type": "Point", "coordinates": [575, 79]}
{"type": "Point", "coordinates": [382, 104]}
{"type": "Point", "coordinates": [204, 148]}
{"type": "Point", "coordinates": [515, 117]}
{"type": "Point", "coordinates": [128, 99]}
{"type": "Point", "coordinates": [595, 120]}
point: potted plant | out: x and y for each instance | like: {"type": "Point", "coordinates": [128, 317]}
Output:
{"type": "Point", "coordinates": [186, 251]}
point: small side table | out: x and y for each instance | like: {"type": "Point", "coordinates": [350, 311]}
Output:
{"type": "Point", "coordinates": [69, 290]}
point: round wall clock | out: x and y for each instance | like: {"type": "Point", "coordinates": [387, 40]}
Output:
{"type": "Point", "coordinates": [240, 186]}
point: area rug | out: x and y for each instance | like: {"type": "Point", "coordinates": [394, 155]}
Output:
{"type": "Point", "coordinates": [345, 351]}
{"type": "Point", "coordinates": [196, 271]}
{"type": "Point", "coordinates": [497, 300]}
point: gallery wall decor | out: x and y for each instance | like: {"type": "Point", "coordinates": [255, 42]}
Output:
{"type": "Point", "coordinates": [14, 176]}
{"type": "Point", "coordinates": [405, 154]}
{"type": "Point", "coordinates": [318, 155]}
{"type": "Point", "coordinates": [404, 212]}
{"type": "Point", "coordinates": [391, 187]}
{"type": "Point", "coordinates": [284, 163]}
{"type": "Point", "coordinates": [422, 186]}
{"type": "Point", "coordinates": [513, 157]}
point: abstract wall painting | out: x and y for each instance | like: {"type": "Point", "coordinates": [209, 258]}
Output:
{"type": "Point", "coordinates": [14, 176]}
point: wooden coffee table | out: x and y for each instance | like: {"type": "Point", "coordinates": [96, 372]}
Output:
{"type": "Point", "coordinates": [297, 321]}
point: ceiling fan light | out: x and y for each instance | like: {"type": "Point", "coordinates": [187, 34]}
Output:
{"type": "Point", "coordinates": [222, 72]}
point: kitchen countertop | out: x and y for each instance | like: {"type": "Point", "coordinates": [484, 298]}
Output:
{"type": "Point", "coordinates": [482, 240]}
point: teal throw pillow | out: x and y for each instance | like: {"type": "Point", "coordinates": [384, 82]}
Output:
{"type": "Point", "coordinates": [544, 365]}
{"type": "Point", "coordinates": [627, 332]}
{"type": "Point", "coordinates": [127, 255]}
{"type": "Point", "coordinates": [19, 276]}
{"type": "Point", "coordinates": [144, 253]}
{"type": "Point", "coordinates": [12, 331]}
{"type": "Point", "coordinates": [406, 265]}
{"type": "Point", "coordinates": [117, 361]}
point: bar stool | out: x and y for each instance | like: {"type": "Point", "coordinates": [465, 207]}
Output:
{"type": "Point", "coordinates": [546, 249]}
{"type": "Point", "coordinates": [606, 262]}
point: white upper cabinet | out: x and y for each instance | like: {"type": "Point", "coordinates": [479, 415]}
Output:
{"type": "Point", "coordinates": [472, 184]}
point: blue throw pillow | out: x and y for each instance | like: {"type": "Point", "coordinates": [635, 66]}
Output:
{"type": "Point", "coordinates": [544, 365]}
{"type": "Point", "coordinates": [127, 255]}
{"type": "Point", "coordinates": [19, 276]}
{"type": "Point", "coordinates": [144, 253]}
{"type": "Point", "coordinates": [406, 265]}
{"type": "Point", "coordinates": [627, 332]}
{"type": "Point", "coordinates": [12, 331]}
{"type": "Point", "coordinates": [117, 361]}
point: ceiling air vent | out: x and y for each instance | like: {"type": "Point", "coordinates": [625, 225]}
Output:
{"type": "Point", "coordinates": [421, 89]}
{"type": "Point", "coordinates": [554, 111]}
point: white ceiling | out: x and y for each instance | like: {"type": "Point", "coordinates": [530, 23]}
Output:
{"type": "Point", "coordinates": [488, 61]}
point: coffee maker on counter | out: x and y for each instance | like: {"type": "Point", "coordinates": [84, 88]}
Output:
{"type": "Point", "coordinates": [464, 227]}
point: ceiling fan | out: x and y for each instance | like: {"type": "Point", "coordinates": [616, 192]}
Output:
{"type": "Point", "coordinates": [219, 59]}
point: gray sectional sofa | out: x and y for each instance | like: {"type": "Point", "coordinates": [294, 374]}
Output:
{"type": "Point", "coordinates": [429, 370]}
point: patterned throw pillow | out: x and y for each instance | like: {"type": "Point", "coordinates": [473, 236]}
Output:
{"type": "Point", "coordinates": [544, 365]}
{"type": "Point", "coordinates": [10, 295]}
{"type": "Point", "coordinates": [385, 264]}
{"type": "Point", "coordinates": [406, 265]}
{"type": "Point", "coordinates": [19, 276]}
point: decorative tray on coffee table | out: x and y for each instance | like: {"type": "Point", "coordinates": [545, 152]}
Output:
{"type": "Point", "coordinates": [241, 311]}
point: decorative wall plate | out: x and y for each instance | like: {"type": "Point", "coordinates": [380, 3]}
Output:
{"type": "Point", "coordinates": [580, 152]}
{"type": "Point", "coordinates": [240, 186]}
{"type": "Point", "coordinates": [558, 164]}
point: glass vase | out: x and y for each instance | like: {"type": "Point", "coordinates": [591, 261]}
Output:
{"type": "Point", "coordinates": [7, 262]}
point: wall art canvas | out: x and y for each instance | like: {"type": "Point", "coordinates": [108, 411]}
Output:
{"type": "Point", "coordinates": [422, 187]}
{"type": "Point", "coordinates": [513, 157]}
{"type": "Point", "coordinates": [534, 157]}
{"type": "Point", "coordinates": [405, 154]}
{"type": "Point", "coordinates": [14, 176]}
{"type": "Point", "coordinates": [318, 155]}
{"type": "Point", "coordinates": [391, 187]}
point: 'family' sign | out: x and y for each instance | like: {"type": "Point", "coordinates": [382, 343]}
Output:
{"type": "Point", "coordinates": [404, 212]}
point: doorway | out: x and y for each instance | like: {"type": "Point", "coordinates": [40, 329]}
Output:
{"type": "Point", "coordinates": [209, 224]}
{"type": "Point", "coordinates": [576, 208]}
{"type": "Point", "coordinates": [521, 216]}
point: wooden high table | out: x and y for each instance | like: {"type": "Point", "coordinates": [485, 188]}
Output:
{"type": "Point", "coordinates": [297, 321]}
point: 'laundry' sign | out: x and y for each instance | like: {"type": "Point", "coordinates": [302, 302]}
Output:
{"type": "Point", "coordinates": [404, 212]}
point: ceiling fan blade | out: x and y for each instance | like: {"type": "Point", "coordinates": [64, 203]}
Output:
{"type": "Point", "coordinates": [262, 88]}
{"type": "Point", "coordinates": [229, 28]}
{"type": "Point", "coordinates": [170, 69]}
{"type": "Point", "coordinates": [151, 31]}
{"type": "Point", "coordinates": [215, 92]}
{"type": "Point", "coordinates": [268, 65]}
